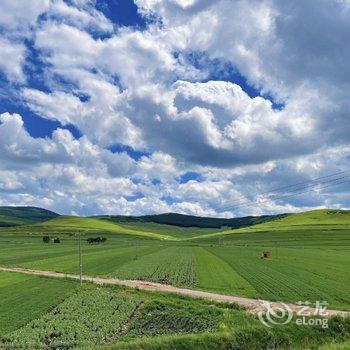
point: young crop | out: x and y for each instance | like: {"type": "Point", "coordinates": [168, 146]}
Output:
{"type": "Point", "coordinates": [87, 318]}
{"type": "Point", "coordinates": [161, 317]}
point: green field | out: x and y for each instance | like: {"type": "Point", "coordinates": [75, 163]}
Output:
{"type": "Point", "coordinates": [61, 315]}
{"type": "Point", "coordinates": [309, 255]}
{"type": "Point", "coordinates": [310, 259]}
{"type": "Point", "coordinates": [22, 298]}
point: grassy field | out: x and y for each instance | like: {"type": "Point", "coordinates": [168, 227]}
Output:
{"type": "Point", "coordinates": [65, 316]}
{"type": "Point", "coordinates": [87, 318]}
{"type": "Point", "coordinates": [23, 298]}
{"type": "Point", "coordinates": [309, 255]}
{"type": "Point", "coordinates": [310, 259]}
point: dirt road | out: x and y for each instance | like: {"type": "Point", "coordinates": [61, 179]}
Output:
{"type": "Point", "coordinates": [251, 305]}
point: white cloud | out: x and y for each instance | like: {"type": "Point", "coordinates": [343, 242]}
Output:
{"type": "Point", "coordinates": [82, 16]}
{"type": "Point", "coordinates": [143, 89]}
{"type": "Point", "coordinates": [19, 14]}
{"type": "Point", "coordinates": [11, 60]}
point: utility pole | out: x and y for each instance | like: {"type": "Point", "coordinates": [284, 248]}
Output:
{"type": "Point", "coordinates": [80, 261]}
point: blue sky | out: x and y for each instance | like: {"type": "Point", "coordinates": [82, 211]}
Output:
{"type": "Point", "coordinates": [142, 107]}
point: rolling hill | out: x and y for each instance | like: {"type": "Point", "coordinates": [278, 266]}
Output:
{"type": "Point", "coordinates": [315, 220]}
{"type": "Point", "coordinates": [16, 216]}
{"type": "Point", "coordinates": [321, 218]}
{"type": "Point", "coordinates": [192, 221]}
{"type": "Point", "coordinates": [94, 225]}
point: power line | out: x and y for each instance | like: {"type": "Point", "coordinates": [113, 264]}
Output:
{"type": "Point", "coordinates": [294, 188]}
{"type": "Point", "coordinates": [279, 189]}
{"type": "Point", "coordinates": [80, 261]}
{"type": "Point", "coordinates": [288, 196]}
{"type": "Point", "coordinates": [308, 184]}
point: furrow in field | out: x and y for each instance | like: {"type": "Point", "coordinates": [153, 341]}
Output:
{"type": "Point", "coordinates": [217, 275]}
{"type": "Point", "coordinates": [171, 265]}
{"type": "Point", "coordinates": [279, 278]}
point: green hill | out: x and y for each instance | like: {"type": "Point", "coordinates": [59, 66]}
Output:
{"type": "Point", "coordinates": [94, 225]}
{"type": "Point", "coordinates": [16, 216]}
{"type": "Point", "coordinates": [192, 221]}
{"type": "Point", "coordinates": [320, 219]}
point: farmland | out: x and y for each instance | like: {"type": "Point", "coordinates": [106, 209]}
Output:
{"type": "Point", "coordinates": [15, 292]}
{"type": "Point", "coordinates": [309, 262]}
{"type": "Point", "coordinates": [87, 318]}
{"type": "Point", "coordinates": [92, 317]}
{"type": "Point", "coordinates": [310, 255]}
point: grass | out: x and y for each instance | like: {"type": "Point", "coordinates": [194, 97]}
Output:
{"type": "Point", "coordinates": [238, 330]}
{"type": "Point", "coordinates": [322, 219]}
{"type": "Point", "coordinates": [309, 255]}
{"type": "Point", "coordinates": [120, 318]}
{"type": "Point", "coordinates": [15, 216]}
{"type": "Point", "coordinates": [168, 230]}
{"type": "Point", "coordinates": [310, 259]}
{"type": "Point", "coordinates": [85, 319]}
{"type": "Point", "coordinates": [215, 274]}
{"type": "Point", "coordinates": [308, 263]}
{"type": "Point", "coordinates": [24, 298]}
{"type": "Point", "coordinates": [179, 220]}
{"type": "Point", "coordinates": [335, 346]}
{"type": "Point", "coordinates": [88, 224]}
{"type": "Point", "coordinates": [168, 265]}
{"type": "Point", "coordinates": [8, 221]}
{"type": "Point", "coordinates": [159, 317]}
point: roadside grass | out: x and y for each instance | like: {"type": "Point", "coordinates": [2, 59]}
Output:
{"type": "Point", "coordinates": [115, 317]}
{"type": "Point", "coordinates": [335, 346]}
{"type": "Point", "coordinates": [159, 317]}
{"type": "Point", "coordinates": [244, 332]}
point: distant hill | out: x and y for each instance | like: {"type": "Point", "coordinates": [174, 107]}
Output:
{"type": "Point", "coordinates": [313, 218]}
{"type": "Point", "coordinates": [16, 216]}
{"type": "Point", "coordinates": [65, 223]}
{"type": "Point", "coordinates": [192, 221]}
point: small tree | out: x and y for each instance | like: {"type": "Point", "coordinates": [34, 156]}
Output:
{"type": "Point", "coordinates": [96, 240]}
{"type": "Point", "coordinates": [56, 240]}
{"type": "Point", "coordinates": [46, 239]}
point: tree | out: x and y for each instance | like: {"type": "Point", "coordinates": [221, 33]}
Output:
{"type": "Point", "coordinates": [46, 239]}
{"type": "Point", "coordinates": [96, 240]}
{"type": "Point", "coordinates": [56, 240]}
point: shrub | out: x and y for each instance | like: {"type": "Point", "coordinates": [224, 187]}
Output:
{"type": "Point", "coordinates": [46, 239]}
{"type": "Point", "coordinates": [96, 240]}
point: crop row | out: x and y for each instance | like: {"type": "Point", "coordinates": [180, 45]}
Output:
{"type": "Point", "coordinates": [87, 318]}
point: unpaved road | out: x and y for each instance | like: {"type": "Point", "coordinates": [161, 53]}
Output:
{"type": "Point", "coordinates": [251, 305]}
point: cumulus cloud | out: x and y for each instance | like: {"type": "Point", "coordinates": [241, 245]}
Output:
{"type": "Point", "coordinates": [146, 91]}
{"type": "Point", "coordinates": [20, 14]}
{"type": "Point", "coordinates": [11, 60]}
{"type": "Point", "coordinates": [82, 15]}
